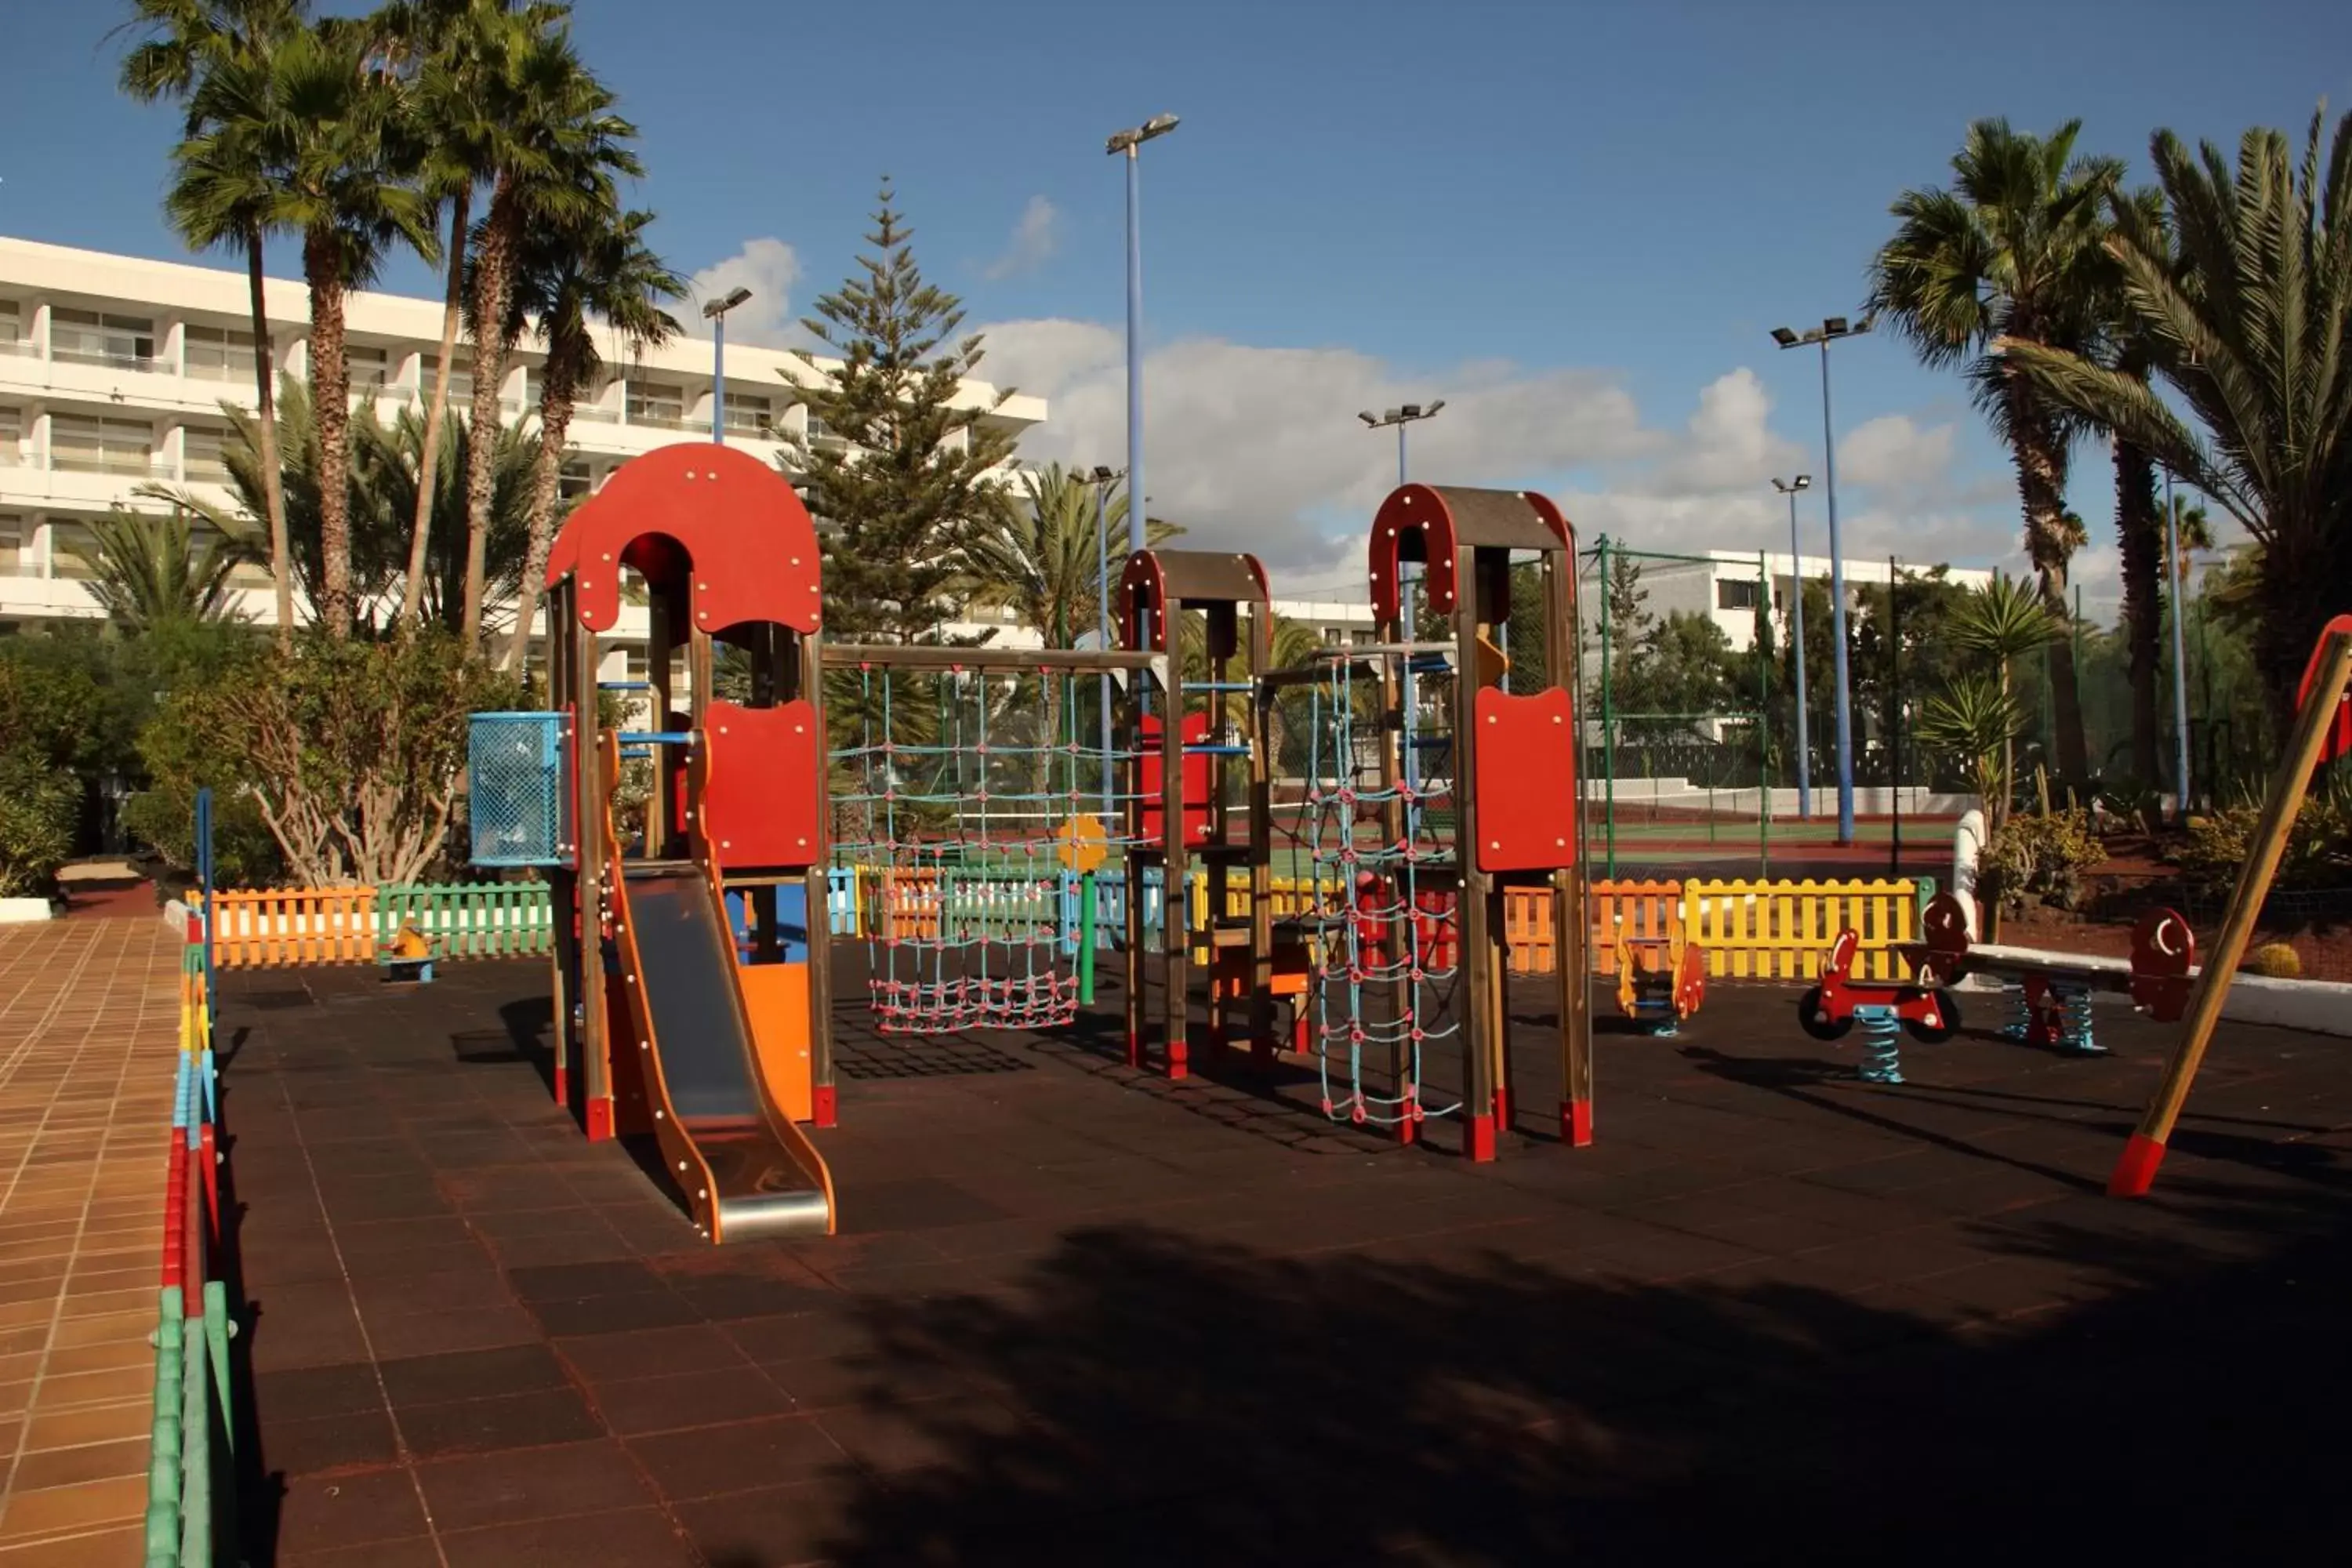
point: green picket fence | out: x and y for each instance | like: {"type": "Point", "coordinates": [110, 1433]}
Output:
{"type": "Point", "coordinates": [471, 920]}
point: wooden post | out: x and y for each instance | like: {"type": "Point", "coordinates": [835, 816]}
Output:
{"type": "Point", "coordinates": [1395, 824]}
{"type": "Point", "coordinates": [564, 949]}
{"type": "Point", "coordinates": [2135, 1172]}
{"type": "Point", "coordinates": [591, 806]}
{"type": "Point", "coordinates": [816, 901]}
{"type": "Point", "coordinates": [1570, 889]}
{"type": "Point", "coordinates": [1261, 835]}
{"type": "Point", "coordinates": [1175, 895]}
{"type": "Point", "coordinates": [1473, 943]}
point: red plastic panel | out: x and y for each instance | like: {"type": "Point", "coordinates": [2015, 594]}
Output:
{"type": "Point", "coordinates": [1143, 581]}
{"type": "Point", "coordinates": [1527, 780]}
{"type": "Point", "coordinates": [2339, 736]}
{"type": "Point", "coordinates": [1412, 510]}
{"type": "Point", "coordinates": [765, 786]}
{"type": "Point", "coordinates": [722, 517]}
{"type": "Point", "coordinates": [1196, 781]}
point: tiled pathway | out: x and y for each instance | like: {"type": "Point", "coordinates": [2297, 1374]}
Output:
{"type": "Point", "coordinates": [88, 1021]}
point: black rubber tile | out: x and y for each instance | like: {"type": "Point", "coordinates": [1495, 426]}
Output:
{"type": "Point", "coordinates": [710, 1460]}
{"type": "Point", "coordinates": [302, 1393]}
{"type": "Point", "coordinates": [471, 1374]}
{"type": "Point", "coordinates": [651, 1352]}
{"type": "Point", "coordinates": [299, 1448]}
{"type": "Point", "coordinates": [636, 1406]}
{"type": "Point", "coordinates": [508, 1421]}
{"type": "Point", "coordinates": [633, 1537]}
{"type": "Point", "coordinates": [579, 1281]}
{"type": "Point", "coordinates": [407, 1335]}
{"type": "Point", "coordinates": [800, 1523]}
{"type": "Point", "coordinates": [657, 1308]}
{"type": "Point", "coordinates": [554, 1482]}
{"type": "Point", "coordinates": [317, 1512]}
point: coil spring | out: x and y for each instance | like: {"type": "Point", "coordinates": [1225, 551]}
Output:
{"type": "Point", "coordinates": [1882, 1049]}
{"type": "Point", "coordinates": [2020, 1025]}
{"type": "Point", "coordinates": [2076, 1032]}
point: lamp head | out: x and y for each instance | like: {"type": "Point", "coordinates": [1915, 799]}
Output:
{"type": "Point", "coordinates": [714, 309]}
{"type": "Point", "coordinates": [1784, 337]}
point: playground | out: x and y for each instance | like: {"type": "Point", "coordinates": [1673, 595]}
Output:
{"type": "Point", "coordinates": [1077, 1311]}
{"type": "Point", "coordinates": [891, 1146]}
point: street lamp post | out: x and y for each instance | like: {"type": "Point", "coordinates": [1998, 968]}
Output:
{"type": "Point", "coordinates": [1829, 331]}
{"type": "Point", "coordinates": [1401, 417]}
{"type": "Point", "coordinates": [715, 312]}
{"type": "Point", "coordinates": [1130, 143]}
{"type": "Point", "coordinates": [1797, 598]}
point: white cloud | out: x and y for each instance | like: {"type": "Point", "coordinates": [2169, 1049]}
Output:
{"type": "Point", "coordinates": [1892, 451]}
{"type": "Point", "coordinates": [1035, 238]}
{"type": "Point", "coordinates": [1259, 448]}
{"type": "Point", "coordinates": [767, 267]}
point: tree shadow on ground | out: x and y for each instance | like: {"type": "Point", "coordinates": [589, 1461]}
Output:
{"type": "Point", "coordinates": [1180, 1402]}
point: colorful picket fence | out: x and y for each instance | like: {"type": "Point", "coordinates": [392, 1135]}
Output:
{"type": "Point", "coordinates": [191, 1476]}
{"type": "Point", "coordinates": [1749, 929]}
{"type": "Point", "coordinates": [278, 927]}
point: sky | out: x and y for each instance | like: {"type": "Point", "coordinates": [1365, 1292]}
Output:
{"type": "Point", "coordinates": [1576, 223]}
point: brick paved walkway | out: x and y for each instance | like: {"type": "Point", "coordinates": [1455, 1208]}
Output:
{"type": "Point", "coordinates": [88, 1022]}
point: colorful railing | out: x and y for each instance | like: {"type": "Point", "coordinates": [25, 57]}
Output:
{"type": "Point", "coordinates": [191, 1478]}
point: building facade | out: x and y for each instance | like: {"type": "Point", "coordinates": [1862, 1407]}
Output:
{"type": "Point", "coordinates": [1724, 585]}
{"type": "Point", "coordinates": [115, 372]}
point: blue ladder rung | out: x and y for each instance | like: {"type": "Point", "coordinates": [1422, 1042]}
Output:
{"type": "Point", "coordinates": [1216, 751]}
{"type": "Point", "coordinates": [1433, 740]}
{"type": "Point", "coordinates": [656, 737]}
{"type": "Point", "coordinates": [625, 685]}
{"type": "Point", "coordinates": [630, 753]}
{"type": "Point", "coordinates": [1220, 686]}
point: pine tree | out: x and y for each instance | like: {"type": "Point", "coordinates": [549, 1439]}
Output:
{"type": "Point", "coordinates": [898, 495]}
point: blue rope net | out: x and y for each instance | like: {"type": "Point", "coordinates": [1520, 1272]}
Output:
{"type": "Point", "coordinates": [955, 810]}
{"type": "Point", "coordinates": [1385, 941]}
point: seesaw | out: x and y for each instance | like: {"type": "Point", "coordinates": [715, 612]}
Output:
{"type": "Point", "coordinates": [2049, 995]}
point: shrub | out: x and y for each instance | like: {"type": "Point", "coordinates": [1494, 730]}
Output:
{"type": "Point", "coordinates": [2318, 848]}
{"type": "Point", "coordinates": [347, 753]}
{"type": "Point", "coordinates": [2035, 858]}
{"type": "Point", "coordinates": [2274, 960]}
{"type": "Point", "coordinates": [39, 807]}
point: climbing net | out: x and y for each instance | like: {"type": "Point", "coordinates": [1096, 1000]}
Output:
{"type": "Point", "coordinates": [1378, 820]}
{"type": "Point", "coordinates": [955, 812]}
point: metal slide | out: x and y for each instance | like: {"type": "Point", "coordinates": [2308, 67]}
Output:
{"type": "Point", "coordinates": [764, 1178]}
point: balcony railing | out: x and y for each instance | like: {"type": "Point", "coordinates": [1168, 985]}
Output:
{"type": "Point", "coordinates": [144, 465]}
{"type": "Point", "coordinates": [25, 347]}
{"type": "Point", "coordinates": [668, 422]}
{"type": "Point", "coordinates": [64, 354]}
{"type": "Point", "coordinates": [596, 413]}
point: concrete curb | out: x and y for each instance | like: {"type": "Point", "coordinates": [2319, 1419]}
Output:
{"type": "Point", "coordinates": [13, 911]}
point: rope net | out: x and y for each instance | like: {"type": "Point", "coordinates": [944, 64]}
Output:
{"type": "Point", "coordinates": [1378, 826]}
{"type": "Point", "coordinates": [956, 811]}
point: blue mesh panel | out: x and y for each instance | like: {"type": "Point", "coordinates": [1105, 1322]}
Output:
{"type": "Point", "coordinates": [515, 763]}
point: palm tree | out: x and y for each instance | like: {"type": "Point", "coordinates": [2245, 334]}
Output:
{"type": "Point", "coordinates": [2192, 529]}
{"type": "Point", "coordinates": [569, 279]}
{"type": "Point", "coordinates": [1975, 722]}
{"type": "Point", "coordinates": [220, 194]}
{"type": "Point", "coordinates": [553, 149]}
{"type": "Point", "coordinates": [1999, 623]}
{"type": "Point", "coordinates": [148, 573]}
{"type": "Point", "coordinates": [2139, 534]}
{"type": "Point", "coordinates": [382, 498]}
{"type": "Point", "coordinates": [2013, 250]}
{"type": "Point", "coordinates": [320, 123]}
{"type": "Point", "coordinates": [2252, 332]}
{"type": "Point", "coordinates": [447, 47]}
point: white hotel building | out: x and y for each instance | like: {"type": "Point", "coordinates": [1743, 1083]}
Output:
{"type": "Point", "coordinates": [114, 370]}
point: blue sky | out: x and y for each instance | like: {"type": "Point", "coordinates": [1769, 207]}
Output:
{"type": "Point", "coordinates": [1575, 221]}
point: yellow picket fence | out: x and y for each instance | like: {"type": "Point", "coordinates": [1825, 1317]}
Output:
{"type": "Point", "coordinates": [1749, 929]}
{"type": "Point", "coordinates": [1779, 931]}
